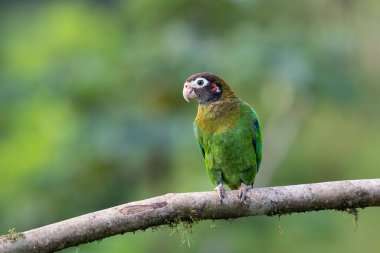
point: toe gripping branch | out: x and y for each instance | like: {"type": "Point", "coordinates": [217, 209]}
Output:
{"type": "Point", "coordinates": [243, 191]}
{"type": "Point", "coordinates": [243, 188]}
{"type": "Point", "coordinates": [220, 190]}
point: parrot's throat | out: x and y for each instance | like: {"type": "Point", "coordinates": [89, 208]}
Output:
{"type": "Point", "coordinates": [219, 116]}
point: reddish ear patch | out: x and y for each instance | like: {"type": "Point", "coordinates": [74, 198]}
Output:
{"type": "Point", "coordinates": [215, 87]}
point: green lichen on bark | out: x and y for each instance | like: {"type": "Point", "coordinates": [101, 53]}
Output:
{"type": "Point", "coordinates": [12, 236]}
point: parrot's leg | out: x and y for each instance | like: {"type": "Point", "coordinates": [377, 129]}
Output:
{"type": "Point", "coordinates": [243, 191]}
{"type": "Point", "coordinates": [220, 190]}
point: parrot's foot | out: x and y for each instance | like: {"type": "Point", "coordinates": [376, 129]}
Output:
{"type": "Point", "coordinates": [243, 191]}
{"type": "Point", "coordinates": [220, 190]}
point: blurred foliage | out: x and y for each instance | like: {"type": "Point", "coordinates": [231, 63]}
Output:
{"type": "Point", "coordinates": [92, 114]}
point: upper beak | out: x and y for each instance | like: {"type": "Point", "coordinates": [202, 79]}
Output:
{"type": "Point", "coordinates": [188, 92]}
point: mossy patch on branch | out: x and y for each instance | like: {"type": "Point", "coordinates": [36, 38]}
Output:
{"type": "Point", "coordinates": [12, 236]}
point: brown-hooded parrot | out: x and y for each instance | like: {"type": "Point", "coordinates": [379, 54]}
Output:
{"type": "Point", "coordinates": [228, 133]}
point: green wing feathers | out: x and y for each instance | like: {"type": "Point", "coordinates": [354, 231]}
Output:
{"type": "Point", "coordinates": [257, 139]}
{"type": "Point", "coordinates": [199, 142]}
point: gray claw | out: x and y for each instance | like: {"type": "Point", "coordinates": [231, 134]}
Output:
{"type": "Point", "coordinates": [243, 191]}
{"type": "Point", "coordinates": [220, 190]}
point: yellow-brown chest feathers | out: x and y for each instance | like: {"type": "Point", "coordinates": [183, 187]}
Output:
{"type": "Point", "coordinates": [219, 116]}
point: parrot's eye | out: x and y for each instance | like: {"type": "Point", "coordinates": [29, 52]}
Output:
{"type": "Point", "coordinates": [201, 81]}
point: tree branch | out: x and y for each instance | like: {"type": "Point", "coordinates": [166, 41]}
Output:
{"type": "Point", "coordinates": [171, 208]}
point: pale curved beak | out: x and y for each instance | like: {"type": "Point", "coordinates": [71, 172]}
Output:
{"type": "Point", "coordinates": [188, 92]}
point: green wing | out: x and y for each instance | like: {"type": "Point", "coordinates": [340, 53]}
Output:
{"type": "Point", "coordinates": [199, 142]}
{"type": "Point", "coordinates": [257, 139]}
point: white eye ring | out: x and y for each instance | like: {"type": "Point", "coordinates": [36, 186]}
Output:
{"type": "Point", "coordinates": [200, 81]}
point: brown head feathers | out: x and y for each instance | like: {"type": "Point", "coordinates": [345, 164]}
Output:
{"type": "Point", "coordinates": [212, 78]}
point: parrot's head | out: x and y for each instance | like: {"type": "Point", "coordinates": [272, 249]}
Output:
{"type": "Point", "coordinates": [205, 87]}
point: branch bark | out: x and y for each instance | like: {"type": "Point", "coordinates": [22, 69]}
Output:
{"type": "Point", "coordinates": [172, 208]}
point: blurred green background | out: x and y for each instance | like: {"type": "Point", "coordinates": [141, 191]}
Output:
{"type": "Point", "coordinates": [92, 113]}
